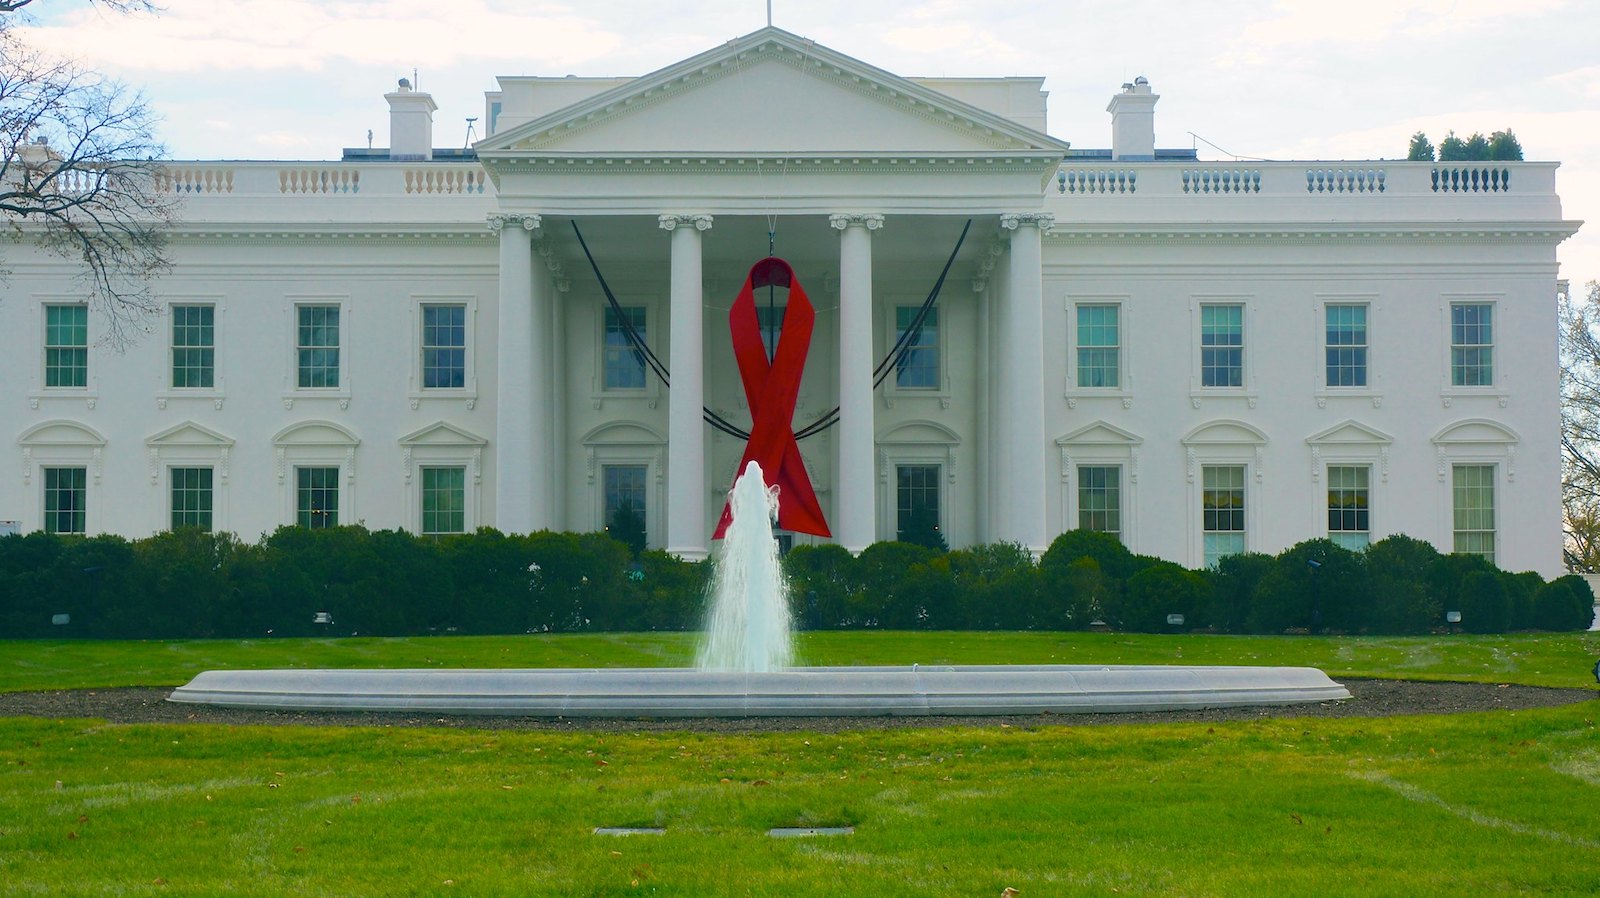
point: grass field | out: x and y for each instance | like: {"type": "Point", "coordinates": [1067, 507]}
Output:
{"type": "Point", "coordinates": [1561, 659]}
{"type": "Point", "coordinates": [1474, 804]}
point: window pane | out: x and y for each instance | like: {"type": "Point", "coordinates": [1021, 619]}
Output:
{"type": "Point", "coordinates": [317, 347]}
{"type": "Point", "coordinates": [191, 498]}
{"type": "Point", "coordinates": [1471, 344]}
{"type": "Point", "coordinates": [1472, 488]}
{"type": "Point", "coordinates": [1222, 511]}
{"type": "Point", "coordinates": [444, 500]}
{"type": "Point", "coordinates": [1222, 346]}
{"type": "Point", "coordinates": [66, 346]}
{"type": "Point", "coordinates": [1099, 346]}
{"type": "Point", "coordinates": [1346, 345]}
{"type": "Point", "coordinates": [918, 369]}
{"type": "Point", "coordinates": [624, 486]}
{"type": "Point", "coordinates": [916, 498]}
{"type": "Point", "coordinates": [624, 365]}
{"type": "Point", "coordinates": [65, 492]}
{"type": "Point", "coordinates": [1348, 511]}
{"type": "Point", "coordinates": [1100, 498]}
{"type": "Point", "coordinates": [444, 347]}
{"type": "Point", "coordinates": [193, 347]}
{"type": "Point", "coordinates": [317, 497]}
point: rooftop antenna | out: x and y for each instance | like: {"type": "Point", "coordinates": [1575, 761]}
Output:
{"type": "Point", "coordinates": [769, 13]}
{"type": "Point", "coordinates": [369, 138]}
{"type": "Point", "coordinates": [415, 84]}
{"type": "Point", "coordinates": [470, 132]}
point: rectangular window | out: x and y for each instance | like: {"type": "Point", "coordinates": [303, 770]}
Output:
{"type": "Point", "coordinates": [1100, 498]}
{"type": "Point", "coordinates": [1099, 347]}
{"type": "Point", "coordinates": [770, 318]}
{"type": "Point", "coordinates": [194, 346]}
{"type": "Point", "coordinates": [317, 347]}
{"type": "Point", "coordinates": [1349, 523]}
{"type": "Point", "coordinates": [1222, 346]}
{"type": "Point", "coordinates": [917, 501]}
{"type": "Point", "coordinates": [1223, 511]}
{"type": "Point", "coordinates": [66, 346]}
{"type": "Point", "coordinates": [317, 497]}
{"type": "Point", "coordinates": [1346, 347]}
{"type": "Point", "coordinates": [918, 369]}
{"type": "Point", "coordinates": [444, 347]}
{"type": "Point", "coordinates": [191, 498]}
{"type": "Point", "coordinates": [1473, 504]}
{"type": "Point", "coordinates": [624, 365]}
{"type": "Point", "coordinates": [65, 492]}
{"type": "Point", "coordinates": [444, 500]}
{"type": "Point", "coordinates": [1471, 344]}
{"type": "Point", "coordinates": [624, 489]}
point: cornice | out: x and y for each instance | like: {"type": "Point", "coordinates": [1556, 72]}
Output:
{"type": "Point", "coordinates": [878, 163]}
{"type": "Point", "coordinates": [1312, 232]}
{"type": "Point", "coordinates": [448, 234]}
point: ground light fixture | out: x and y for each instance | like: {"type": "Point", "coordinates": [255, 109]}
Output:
{"type": "Point", "coordinates": [1453, 618]}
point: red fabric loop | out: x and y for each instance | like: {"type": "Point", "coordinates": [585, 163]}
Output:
{"type": "Point", "coordinates": [771, 390]}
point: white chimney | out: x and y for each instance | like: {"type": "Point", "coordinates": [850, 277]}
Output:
{"type": "Point", "coordinates": [1133, 121]}
{"type": "Point", "coordinates": [410, 123]}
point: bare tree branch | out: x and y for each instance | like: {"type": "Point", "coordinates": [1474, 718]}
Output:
{"type": "Point", "coordinates": [113, 5]}
{"type": "Point", "coordinates": [78, 176]}
{"type": "Point", "coordinates": [1580, 428]}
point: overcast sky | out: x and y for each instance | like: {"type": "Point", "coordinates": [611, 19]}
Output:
{"type": "Point", "coordinates": [301, 79]}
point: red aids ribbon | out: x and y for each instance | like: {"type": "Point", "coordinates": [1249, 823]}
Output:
{"type": "Point", "coordinates": [771, 390]}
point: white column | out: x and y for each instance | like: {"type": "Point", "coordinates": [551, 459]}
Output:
{"type": "Point", "coordinates": [521, 472]}
{"type": "Point", "coordinates": [1022, 448]}
{"type": "Point", "coordinates": [854, 524]}
{"type": "Point", "coordinates": [688, 535]}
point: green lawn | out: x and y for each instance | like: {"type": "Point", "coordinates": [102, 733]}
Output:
{"type": "Point", "coordinates": [1453, 805]}
{"type": "Point", "coordinates": [1563, 659]}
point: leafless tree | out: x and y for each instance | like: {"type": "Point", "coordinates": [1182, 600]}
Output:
{"type": "Point", "coordinates": [1580, 428]}
{"type": "Point", "coordinates": [78, 175]}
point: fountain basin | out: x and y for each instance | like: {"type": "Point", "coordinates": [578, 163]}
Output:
{"type": "Point", "coordinates": [797, 692]}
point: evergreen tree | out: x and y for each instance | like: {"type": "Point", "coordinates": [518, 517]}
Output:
{"type": "Point", "coordinates": [1452, 148]}
{"type": "Point", "coordinates": [627, 527]}
{"type": "Point", "coordinates": [1477, 148]}
{"type": "Point", "coordinates": [1504, 147]}
{"type": "Point", "coordinates": [1421, 149]}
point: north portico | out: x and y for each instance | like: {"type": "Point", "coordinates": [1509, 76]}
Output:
{"type": "Point", "coordinates": [864, 181]}
{"type": "Point", "coordinates": [1198, 357]}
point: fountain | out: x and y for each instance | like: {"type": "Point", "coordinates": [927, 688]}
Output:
{"type": "Point", "coordinates": [743, 670]}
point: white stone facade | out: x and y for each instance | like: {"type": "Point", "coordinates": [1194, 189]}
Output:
{"type": "Point", "coordinates": [865, 179]}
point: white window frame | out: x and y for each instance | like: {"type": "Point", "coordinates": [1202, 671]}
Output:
{"type": "Point", "coordinates": [1475, 441]}
{"type": "Point", "coordinates": [443, 445]}
{"type": "Point", "coordinates": [628, 443]}
{"type": "Point", "coordinates": [1198, 393]}
{"type": "Point", "coordinates": [1074, 391]}
{"type": "Point", "coordinates": [1225, 442]}
{"type": "Point", "coordinates": [1105, 445]}
{"type": "Point", "coordinates": [1351, 444]}
{"type": "Point", "coordinates": [190, 444]}
{"type": "Point", "coordinates": [887, 324]}
{"type": "Point", "coordinates": [63, 443]}
{"type": "Point", "coordinates": [216, 394]}
{"type": "Point", "coordinates": [1498, 390]}
{"type": "Point", "coordinates": [292, 391]}
{"type": "Point", "coordinates": [1373, 391]}
{"type": "Point", "coordinates": [317, 443]}
{"type": "Point", "coordinates": [654, 337]}
{"type": "Point", "coordinates": [468, 391]}
{"type": "Point", "coordinates": [918, 442]}
{"type": "Point", "coordinates": [1496, 493]}
{"type": "Point", "coordinates": [167, 482]}
{"type": "Point", "coordinates": [1372, 505]}
{"type": "Point", "coordinates": [38, 393]}
{"type": "Point", "coordinates": [1248, 511]}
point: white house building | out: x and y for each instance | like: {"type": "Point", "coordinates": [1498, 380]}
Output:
{"type": "Point", "coordinates": [1201, 357]}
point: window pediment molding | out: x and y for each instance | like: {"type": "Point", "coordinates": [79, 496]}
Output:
{"type": "Point", "coordinates": [442, 433]}
{"type": "Point", "coordinates": [921, 432]}
{"type": "Point", "coordinates": [622, 433]}
{"type": "Point", "coordinates": [315, 433]}
{"type": "Point", "coordinates": [1099, 433]}
{"type": "Point", "coordinates": [1475, 430]}
{"type": "Point", "coordinates": [61, 432]}
{"type": "Point", "coordinates": [1225, 432]}
{"type": "Point", "coordinates": [188, 434]}
{"type": "Point", "coordinates": [1350, 432]}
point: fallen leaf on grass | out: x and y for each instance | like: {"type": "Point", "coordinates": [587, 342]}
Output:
{"type": "Point", "coordinates": [72, 835]}
{"type": "Point", "coordinates": [1009, 892]}
{"type": "Point", "coordinates": [1297, 820]}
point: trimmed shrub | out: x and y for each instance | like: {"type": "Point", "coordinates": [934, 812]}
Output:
{"type": "Point", "coordinates": [1113, 557]}
{"type": "Point", "coordinates": [1154, 593]}
{"type": "Point", "coordinates": [1232, 587]}
{"type": "Point", "coordinates": [1565, 603]}
{"type": "Point", "coordinates": [997, 586]}
{"type": "Point", "coordinates": [822, 580]}
{"type": "Point", "coordinates": [1485, 606]}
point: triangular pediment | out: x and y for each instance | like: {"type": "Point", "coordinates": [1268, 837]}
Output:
{"type": "Point", "coordinates": [1350, 432]}
{"type": "Point", "coordinates": [1099, 433]}
{"type": "Point", "coordinates": [442, 433]}
{"type": "Point", "coordinates": [769, 92]}
{"type": "Point", "coordinates": [188, 433]}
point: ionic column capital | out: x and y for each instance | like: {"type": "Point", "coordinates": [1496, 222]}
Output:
{"type": "Point", "coordinates": [872, 221]}
{"type": "Point", "coordinates": [671, 222]}
{"type": "Point", "coordinates": [530, 221]}
{"type": "Point", "coordinates": [1044, 221]}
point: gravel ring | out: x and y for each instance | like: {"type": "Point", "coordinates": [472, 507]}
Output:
{"type": "Point", "coordinates": [1370, 698]}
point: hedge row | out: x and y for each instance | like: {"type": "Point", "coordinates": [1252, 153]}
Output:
{"type": "Point", "coordinates": [193, 584]}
